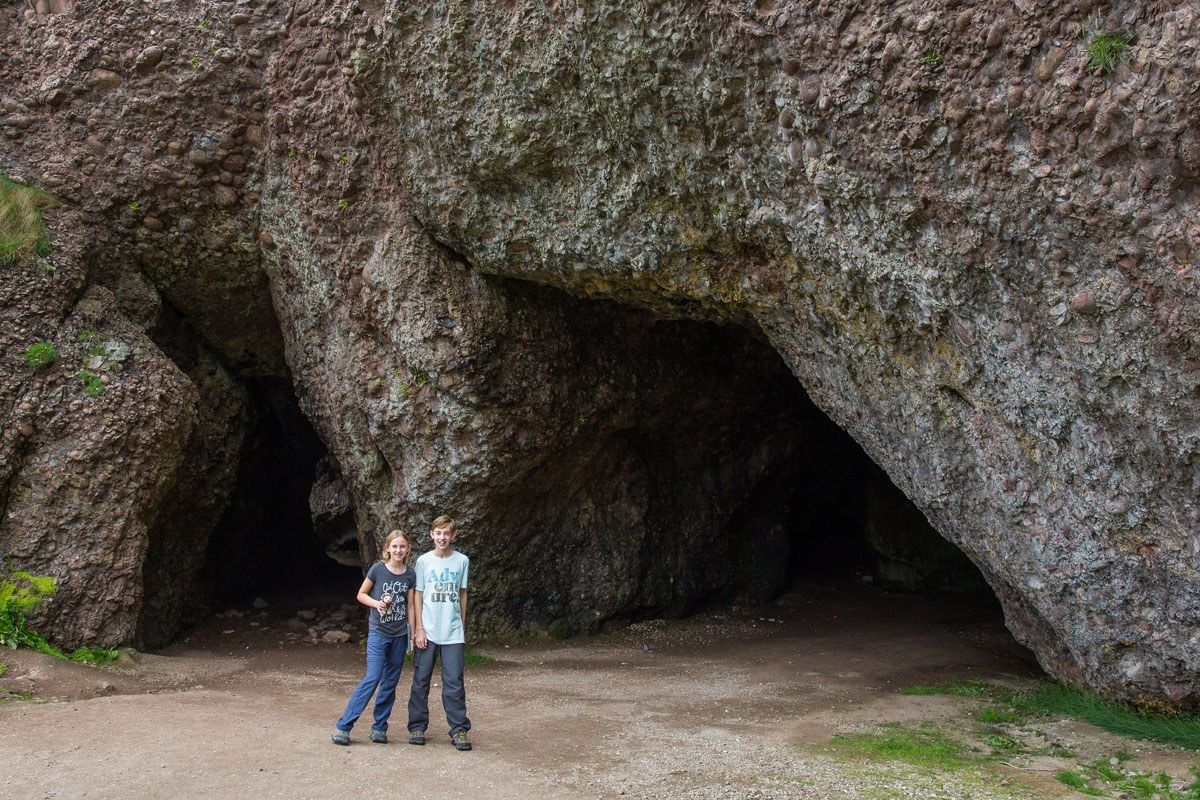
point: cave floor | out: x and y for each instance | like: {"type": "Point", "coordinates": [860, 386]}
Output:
{"type": "Point", "coordinates": [736, 703]}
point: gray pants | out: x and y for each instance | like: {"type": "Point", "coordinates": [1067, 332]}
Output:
{"type": "Point", "coordinates": [454, 694]}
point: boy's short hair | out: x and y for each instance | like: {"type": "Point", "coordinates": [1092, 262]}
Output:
{"type": "Point", "coordinates": [442, 522]}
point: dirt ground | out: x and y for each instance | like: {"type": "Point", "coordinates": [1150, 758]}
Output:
{"type": "Point", "coordinates": [737, 703]}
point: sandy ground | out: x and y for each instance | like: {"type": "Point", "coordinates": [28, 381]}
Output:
{"type": "Point", "coordinates": [732, 704]}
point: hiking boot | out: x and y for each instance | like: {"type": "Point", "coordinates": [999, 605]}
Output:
{"type": "Point", "coordinates": [416, 737]}
{"type": "Point", "coordinates": [378, 736]}
{"type": "Point", "coordinates": [460, 740]}
{"type": "Point", "coordinates": [340, 736]}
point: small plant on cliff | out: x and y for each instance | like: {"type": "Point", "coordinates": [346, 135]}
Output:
{"type": "Point", "coordinates": [40, 355]}
{"type": "Point", "coordinates": [1104, 51]}
{"type": "Point", "coordinates": [21, 594]}
{"type": "Point", "coordinates": [22, 229]}
{"type": "Point", "coordinates": [92, 385]}
{"type": "Point", "coordinates": [931, 60]}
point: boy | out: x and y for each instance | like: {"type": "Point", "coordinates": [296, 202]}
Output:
{"type": "Point", "coordinates": [440, 612]}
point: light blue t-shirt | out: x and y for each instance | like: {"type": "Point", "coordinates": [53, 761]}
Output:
{"type": "Point", "coordinates": [438, 581]}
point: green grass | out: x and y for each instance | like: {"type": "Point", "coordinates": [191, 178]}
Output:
{"type": "Point", "coordinates": [1077, 782]}
{"type": "Point", "coordinates": [1105, 51]}
{"type": "Point", "coordinates": [6, 694]}
{"type": "Point", "coordinates": [998, 716]}
{"type": "Point", "coordinates": [1057, 700]}
{"type": "Point", "coordinates": [92, 385]}
{"type": "Point", "coordinates": [1102, 778]}
{"type": "Point", "coordinates": [22, 227]}
{"type": "Point", "coordinates": [478, 659]}
{"type": "Point", "coordinates": [40, 355]}
{"type": "Point", "coordinates": [22, 593]}
{"type": "Point", "coordinates": [1119, 718]}
{"type": "Point", "coordinates": [925, 746]}
{"type": "Point", "coordinates": [471, 657]}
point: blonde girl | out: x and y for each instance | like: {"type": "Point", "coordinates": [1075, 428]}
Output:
{"type": "Point", "coordinates": [388, 592]}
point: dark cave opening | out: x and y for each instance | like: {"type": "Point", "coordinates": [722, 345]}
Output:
{"type": "Point", "coordinates": [267, 542]}
{"type": "Point", "coordinates": [677, 464]}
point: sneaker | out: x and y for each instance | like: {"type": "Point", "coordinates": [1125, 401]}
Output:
{"type": "Point", "coordinates": [460, 740]}
{"type": "Point", "coordinates": [416, 737]}
{"type": "Point", "coordinates": [378, 736]}
{"type": "Point", "coordinates": [340, 736]}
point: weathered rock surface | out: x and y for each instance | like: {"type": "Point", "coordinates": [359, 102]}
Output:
{"type": "Point", "coordinates": [976, 256]}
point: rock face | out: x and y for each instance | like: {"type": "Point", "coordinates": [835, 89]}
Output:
{"type": "Point", "coordinates": [528, 266]}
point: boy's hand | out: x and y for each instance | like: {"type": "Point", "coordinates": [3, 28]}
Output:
{"type": "Point", "coordinates": [419, 641]}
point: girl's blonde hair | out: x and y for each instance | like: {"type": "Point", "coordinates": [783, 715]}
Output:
{"type": "Point", "coordinates": [393, 536]}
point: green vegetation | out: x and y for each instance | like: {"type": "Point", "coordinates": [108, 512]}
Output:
{"type": "Point", "coordinates": [343, 204]}
{"type": "Point", "coordinates": [925, 746]}
{"type": "Point", "coordinates": [134, 206]}
{"type": "Point", "coordinates": [1047, 700]}
{"type": "Point", "coordinates": [1105, 51]}
{"type": "Point", "coordinates": [22, 229]}
{"type": "Point", "coordinates": [40, 355]}
{"type": "Point", "coordinates": [931, 59]}
{"type": "Point", "coordinates": [1108, 777]}
{"type": "Point", "coordinates": [1077, 782]}
{"type": "Point", "coordinates": [1119, 718]}
{"type": "Point", "coordinates": [471, 657]}
{"type": "Point", "coordinates": [92, 385]}
{"type": "Point", "coordinates": [21, 594]}
{"type": "Point", "coordinates": [478, 659]}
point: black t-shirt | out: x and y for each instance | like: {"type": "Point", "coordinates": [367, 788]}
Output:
{"type": "Point", "coordinates": [385, 581]}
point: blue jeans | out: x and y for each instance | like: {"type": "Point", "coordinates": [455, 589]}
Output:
{"type": "Point", "coordinates": [454, 694]}
{"type": "Point", "coordinates": [385, 658]}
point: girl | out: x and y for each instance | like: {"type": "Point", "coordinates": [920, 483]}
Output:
{"type": "Point", "coordinates": [388, 592]}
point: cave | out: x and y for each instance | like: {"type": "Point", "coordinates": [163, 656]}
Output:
{"type": "Point", "coordinates": [653, 466]}
{"type": "Point", "coordinates": [270, 541]}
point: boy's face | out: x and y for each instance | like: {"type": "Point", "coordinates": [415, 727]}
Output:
{"type": "Point", "coordinates": [443, 537]}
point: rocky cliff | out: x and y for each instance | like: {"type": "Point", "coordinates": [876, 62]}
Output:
{"type": "Point", "coordinates": [537, 264]}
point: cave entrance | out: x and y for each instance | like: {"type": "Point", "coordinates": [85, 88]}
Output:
{"type": "Point", "coordinates": [680, 464]}
{"type": "Point", "coordinates": [267, 543]}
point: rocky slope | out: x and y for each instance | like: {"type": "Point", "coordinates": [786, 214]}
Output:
{"type": "Point", "coordinates": [974, 253]}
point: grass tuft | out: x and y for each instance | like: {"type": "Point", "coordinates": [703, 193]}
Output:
{"type": "Point", "coordinates": [1104, 51]}
{"type": "Point", "coordinates": [925, 746]}
{"type": "Point", "coordinates": [40, 355]}
{"type": "Point", "coordinates": [22, 229]}
{"type": "Point", "coordinates": [1077, 782]}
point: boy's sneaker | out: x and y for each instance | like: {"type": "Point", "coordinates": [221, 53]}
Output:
{"type": "Point", "coordinates": [460, 740]}
{"type": "Point", "coordinates": [340, 736]}
{"type": "Point", "coordinates": [416, 737]}
{"type": "Point", "coordinates": [378, 736]}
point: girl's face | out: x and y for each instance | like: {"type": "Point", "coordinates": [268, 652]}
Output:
{"type": "Point", "coordinates": [398, 550]}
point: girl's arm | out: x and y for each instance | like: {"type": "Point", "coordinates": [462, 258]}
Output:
{"type": "Point", "coordinates": [365, 598]}
{"type": "Point", "coordinates": [462, 599]}
{"type": "Point", "coordinates": [419, 640]}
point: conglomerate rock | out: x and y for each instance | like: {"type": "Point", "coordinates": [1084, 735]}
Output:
{"type": "Point", "coordinates": [976, 254]}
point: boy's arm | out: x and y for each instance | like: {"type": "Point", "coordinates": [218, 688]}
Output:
{"type": "Point", "coordinates": [419, 639]}
{"type": "Point", "coordinates": [462, 599]}
{"type": "Point", "coordinates": [412, 617]}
